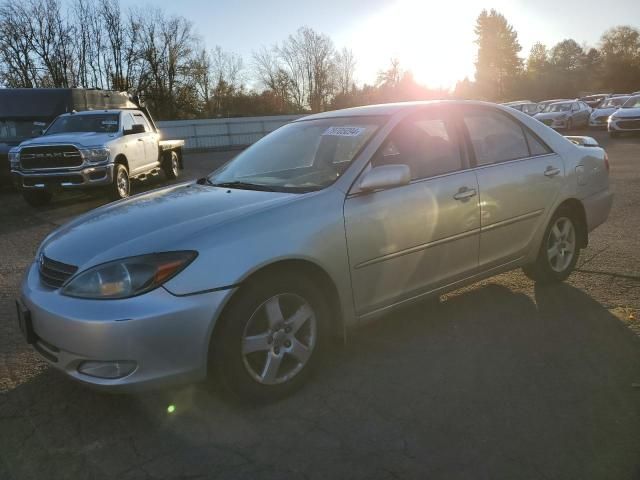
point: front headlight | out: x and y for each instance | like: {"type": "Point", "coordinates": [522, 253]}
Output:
{"type": "Point", "coordinates": [96, 155]}
{"type": "Point", "coordinates": [14, 157]}
{"type": "Point", "coordinates": [128, 277]}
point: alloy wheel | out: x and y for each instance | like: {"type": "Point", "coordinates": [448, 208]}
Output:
{"type": "Point", "coordinates": [561, 244]}
{"type": "Point", "coordinates": [279, 339]}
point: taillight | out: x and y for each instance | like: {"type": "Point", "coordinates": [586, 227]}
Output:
{"type": "Point", "coordinates": [606, 161]}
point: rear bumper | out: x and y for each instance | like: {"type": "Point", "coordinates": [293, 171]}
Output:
{"type": "Point", "coordinates": [94, 176]}
{"type": "Point", "coordinates": [597, 208]}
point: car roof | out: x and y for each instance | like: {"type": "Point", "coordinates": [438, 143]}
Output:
{"type": "Point", "coordinates": [96, 112]}
{"type": "Point", "coordinates": [389, 109]}
{"type": "Point", "coordinates": [519, 102]}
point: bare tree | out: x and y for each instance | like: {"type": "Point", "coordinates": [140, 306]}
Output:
{"type": "Point", "coordinates": [345, 64]}
{"type": "Point", "coordinates": [16, 55]}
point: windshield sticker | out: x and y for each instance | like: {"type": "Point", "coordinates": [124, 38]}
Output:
{"type": "Point", "coordinates": [109, 122]}
{"type": "Point", "coordinates": [344, 131]}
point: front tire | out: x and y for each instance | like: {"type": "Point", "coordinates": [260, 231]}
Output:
{"type": "Point", "coordinates": [171, 166]}
{"type": "Point", "coordinates": [37, 198]}
{"type": "Point", "coordinates": [269, 338]}
{"type": "Point", "coordinates": [121, 186]}
{"type": "Point", "coordinates": [559, 251]}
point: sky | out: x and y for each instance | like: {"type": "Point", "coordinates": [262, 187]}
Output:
{"type": "Point", "coordinates": [433, 39]}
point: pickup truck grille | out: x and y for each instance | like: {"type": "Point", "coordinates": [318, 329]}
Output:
{"type": "Point", "coordinates": [53, 273]}
{"type": "Point", "coordinates": [54, 156]}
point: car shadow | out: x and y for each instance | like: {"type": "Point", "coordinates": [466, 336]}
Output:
{"type": "Point", "coordinates": [490, 383]}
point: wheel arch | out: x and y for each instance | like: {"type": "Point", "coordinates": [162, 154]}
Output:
{"type": "Point", "coordinates": [577, 208]}
{"type": "Point", "coordinates": [305, 267]}
{"type": "Point", "coordinates": [122, 159]}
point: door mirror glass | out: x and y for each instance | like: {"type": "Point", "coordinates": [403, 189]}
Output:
{"type": "Point", "coordinates": [385, 176]}
{"type": "Point", "coordinates": [135, 128]}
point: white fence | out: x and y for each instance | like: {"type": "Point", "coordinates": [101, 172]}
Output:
{"type": "Point", "coordinates": [222, 133]}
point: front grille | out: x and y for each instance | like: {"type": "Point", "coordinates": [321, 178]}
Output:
{"type": "Point", "coordinates": [53, 273]}
{"type": "Point", "coordinates": [629, 124]}
{"type": "Point", "coordinates": [54, 156]}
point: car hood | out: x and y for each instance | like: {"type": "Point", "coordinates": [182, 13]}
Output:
{"type": "Point", "coordinates": [599, 112]}
{"type": "Point", "coordinates": [627, 112]}
{"type": "Point", "coordinates": [161, 220]}
{"type": "Point", "coordinates": [549, 115]}
{"type": "Point", "coordinates": [85, 139]}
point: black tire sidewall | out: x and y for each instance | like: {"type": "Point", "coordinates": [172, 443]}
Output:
{"type": "Point", "coordinates": [167, 165]}
{"type": "Point", "coordinates": [225, 357]}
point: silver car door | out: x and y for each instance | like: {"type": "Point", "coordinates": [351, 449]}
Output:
{"type": "Point", "coordinates": [519, 178]}
{"type": "Point", "coordinates": [408, 240]}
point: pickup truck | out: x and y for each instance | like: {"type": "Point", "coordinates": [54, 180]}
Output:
{"type": "Point", "coordinates": [93, 149]}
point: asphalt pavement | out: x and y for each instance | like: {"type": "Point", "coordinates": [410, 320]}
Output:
{"type": "Point", "coordinates": [500, 380]}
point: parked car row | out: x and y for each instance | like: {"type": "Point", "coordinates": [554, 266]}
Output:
{"type": "Point", "coordinates": [618, 113]}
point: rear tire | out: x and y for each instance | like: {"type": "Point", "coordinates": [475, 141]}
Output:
{"type": "Point", "coordinates": [121, 186]}
{"type": "Point", "coordinates": [559, 251]}
{"type": "Point", "coordinates": [37, 198]}
{"type": "Point", "coordinates": [171, 166]}
{"type": "Point", "coordinates": [269, 338]}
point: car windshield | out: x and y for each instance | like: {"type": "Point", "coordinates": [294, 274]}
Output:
{"type": "Point", "coordinates": [94, 122]}
{"type": "Point", "coordinates": [20, 129]}
{"type": "Point", "coordinates": [633, 102]}
{"type": "Point", "coordinates": [298, 157]}
{"type": "Point", "coordinates": [613, 102]}
{"type": "Point", "coordinates": [558, 107]}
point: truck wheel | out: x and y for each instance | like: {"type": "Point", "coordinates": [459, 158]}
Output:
{"type": "Point", "coordinates": [121, 186]}
{"type": "Point", "coordinates": [171, 166]}
{"type": "Point", "coordinates": [37, 198]}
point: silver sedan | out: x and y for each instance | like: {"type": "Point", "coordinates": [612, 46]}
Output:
{"type": "Point", "coordinates": [323, 225]}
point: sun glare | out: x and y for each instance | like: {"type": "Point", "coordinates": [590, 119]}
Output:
{"type": "Point", "coordinates": [432, 39]}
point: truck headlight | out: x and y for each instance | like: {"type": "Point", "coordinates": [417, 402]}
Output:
{"type": "Point", "coordinates": [128, 277]}
{"type": "Point", "coordinates": [96, 155]}
{"type": "Point", "coordinates": [14, 157]}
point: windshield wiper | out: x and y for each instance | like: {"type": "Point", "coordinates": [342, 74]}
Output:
{"type": "Point", "coordinates": [204, 181]}
{"type": "Point", "coordinates": [243, 186]}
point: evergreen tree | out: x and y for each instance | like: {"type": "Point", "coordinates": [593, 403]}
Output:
{"type": "Point", "coordinates": [498, 64]}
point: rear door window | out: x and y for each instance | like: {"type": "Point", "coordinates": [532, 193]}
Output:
{"type": "Point", "coordinates": [495, 137]}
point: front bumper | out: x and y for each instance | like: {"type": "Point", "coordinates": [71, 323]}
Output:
{"type": "Point", "coordinates": [594, 123]}
{"type": "Point", "coordinates": [555, 124]}
{"type": "Point", "coordinates": [165, 335]}
{"type": "Point", "coordinates": [87, 177]}
{"type": "Point", "coordinates": [624, 125]}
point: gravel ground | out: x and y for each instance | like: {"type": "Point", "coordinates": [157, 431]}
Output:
{"type": "Point", "coordinates": [499, 380]}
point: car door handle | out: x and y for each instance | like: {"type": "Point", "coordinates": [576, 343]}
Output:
{"type": "Point", "coordinates": [141, 139]}
{"type": "Point", "coordinates": [551, 171]}
{"type": "Point", "coordinates": [465, 193]}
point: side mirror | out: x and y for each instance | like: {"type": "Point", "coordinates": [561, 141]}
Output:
{"type": "Point", "coordinates": [136, 128]}
{"type": "Point", "coordinates": [385, 176]}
